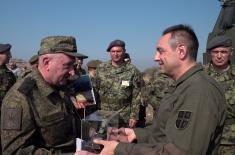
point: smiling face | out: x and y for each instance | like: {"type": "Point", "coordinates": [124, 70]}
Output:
{"type": "Point", "coordinates": [166, 56]}
{"type": "Point", "coordinates": [59, 69]}
{"type": "Point", "coordinates": [220, 57]}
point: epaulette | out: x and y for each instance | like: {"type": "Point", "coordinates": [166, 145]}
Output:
{"type": "Point", "coordinates": [27, 86]}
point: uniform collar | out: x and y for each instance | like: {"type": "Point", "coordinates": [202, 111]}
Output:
{"type": "Point", "coordinates": [42, 85]}
{"type": "Point", "coordinates": [189, 73]}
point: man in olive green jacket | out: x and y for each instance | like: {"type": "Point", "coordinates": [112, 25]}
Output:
{"type": "Point", "coordinates": [191, 115]}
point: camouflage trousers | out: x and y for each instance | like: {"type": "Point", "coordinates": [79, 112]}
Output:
{"type": "Point", "coordinates": [226, 150]}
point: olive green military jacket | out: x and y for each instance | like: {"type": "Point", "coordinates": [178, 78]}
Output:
{"type": "Point", "coordinates": [227, 81]}
{"type": "Point", "coordinates": [118, 87]}
{"type": "Point", "coordinates": [37, 119]}
{"type": "Point", "coordinates": [189, 121]}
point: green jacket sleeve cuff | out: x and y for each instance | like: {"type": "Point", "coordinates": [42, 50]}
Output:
{"type": "Point", "coordinates": [123, 148]}
{"type": "Point", "coordinates": [141, 134]}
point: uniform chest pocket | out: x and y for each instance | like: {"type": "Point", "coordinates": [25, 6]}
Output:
{"type": "Point", "coordinates": [48, 112]}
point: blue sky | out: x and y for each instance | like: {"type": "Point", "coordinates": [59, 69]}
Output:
{"type": "Point", "coordinates": [95, 23]}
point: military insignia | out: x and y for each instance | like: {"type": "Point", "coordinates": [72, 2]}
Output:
{"type": "Point", "coordinates": [183, 119]}
{"type": "Point", "coordinates": [12, 119]}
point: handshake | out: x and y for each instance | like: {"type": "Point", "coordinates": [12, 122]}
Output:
{"type": "Point", "coordinates": [114, 136]}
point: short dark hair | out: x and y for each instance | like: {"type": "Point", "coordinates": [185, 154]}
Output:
{"type": "Point", "coordinates": [183, 34]}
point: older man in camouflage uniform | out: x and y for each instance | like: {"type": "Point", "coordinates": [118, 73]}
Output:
{"type": "Point", "coordinates": [118, 85]}
{"type": "Point", "coordinates": [37, 115]}
{"type": "Point", "coordinates": [7, 78]}
{"type": "Point", "coordinates": [220, 50]}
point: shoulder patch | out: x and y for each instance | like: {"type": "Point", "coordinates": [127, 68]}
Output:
{"type": "Point", "coordinates": [27, 85]}
{"type": "Point", "coordinates": [12, 119]}
{"type": "Point", "coordinates": [183, 119]}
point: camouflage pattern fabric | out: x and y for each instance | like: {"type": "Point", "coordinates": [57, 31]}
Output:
{"type": "Point", "coordinates": [227, 81]}
{"type": "Point", "coordinates": [7, 79]}
{"type": "Point", "coordinates": [153, 90]}
{"type": "Point", "coordinates": [119, 87]}
{"type": "Point", "coordinates": [38, 119]}
{"type": "Point", "coordinates": [226, 150]}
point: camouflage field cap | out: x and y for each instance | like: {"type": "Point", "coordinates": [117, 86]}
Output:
{"type": "Point", "coordinates": [117, 42]}
{"type": "Point", "coordinates": [59, 44]}
{"type": "Point", "coordinates": [82, 56]}
{"type": "Point", "coordinates": [93, 63]}
{"type": "Point", "coordinates": [4, 47]}
{"type": "Point", "coordinates": [219, 41]}
{"type": "Point", "coordinates": [33, 59]}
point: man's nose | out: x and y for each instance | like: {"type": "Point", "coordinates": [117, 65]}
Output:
{"type": "Point", "coordinates": [219, 54]}
{"type": "Point", "coordinates": [157, 56]}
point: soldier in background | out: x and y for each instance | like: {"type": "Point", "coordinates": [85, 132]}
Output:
{"type": "Point", "coordinates": [37, 115]}
{"type": "Point", "coordinates": [118, 85]}
{"type": "Point", "coordinates": [78, 65]}
{"type": "Point", "coordinates": [153, 90]}
{"type": "Point", "coordinates": [7, 78]}
{"type": "Point", "coordinates": [220, 68]}
{"type": "Point", "coordinates": [92, 66]}
{"type": "Point", "coordinates": [33, 61]}
{"type": "Point", "coordinates": [33, 64]}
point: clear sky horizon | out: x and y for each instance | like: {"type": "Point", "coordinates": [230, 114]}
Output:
{"type": "Point", "coordinates": [95, 24]}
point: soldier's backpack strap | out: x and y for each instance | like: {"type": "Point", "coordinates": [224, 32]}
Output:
{"type": "Point", "coordinates": [27, 86]}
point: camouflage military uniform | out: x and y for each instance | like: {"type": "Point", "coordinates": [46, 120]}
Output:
{"type": "Point", "coordinates": [118, 87]}
{"type": "Point", "coordinates": [7, 79]}
{"type": "Point", "coordinates": [153, 91]}
{"type": "Point", "coordinates": [38, 119]}
{"type": "Point", "coordinates": [227, 80]}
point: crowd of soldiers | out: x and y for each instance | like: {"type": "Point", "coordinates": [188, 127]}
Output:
{"type": "Point", "coordinates": [171, 109]}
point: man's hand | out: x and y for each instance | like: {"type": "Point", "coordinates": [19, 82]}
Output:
{"type": "Point", "coordinates": [109, 146]}
{"type": "Point", "coordinates": [132, 123]}
{"type": "Point", "coordinates": [84, 153]}
{"type": "Point", "coordinates": [121, 135]}
{"type": "Point", "coordinates": [78, 104]}
{"type": "Point", "coordinates": [126, 135]}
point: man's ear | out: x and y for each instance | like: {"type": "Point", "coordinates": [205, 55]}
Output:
{"type": "Point", "coordinates": [182, 51]}
{"type": "Point", "coordinates": [46, 62]}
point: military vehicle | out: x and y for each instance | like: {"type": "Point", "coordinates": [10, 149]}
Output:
{"type": "Point", "coordinates": [225, 24]}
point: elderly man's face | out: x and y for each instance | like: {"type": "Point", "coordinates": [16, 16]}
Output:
{"type": "Point", "coordinates": [220, 56]}
{"type": "Point", "coordinates": [60, 69]}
